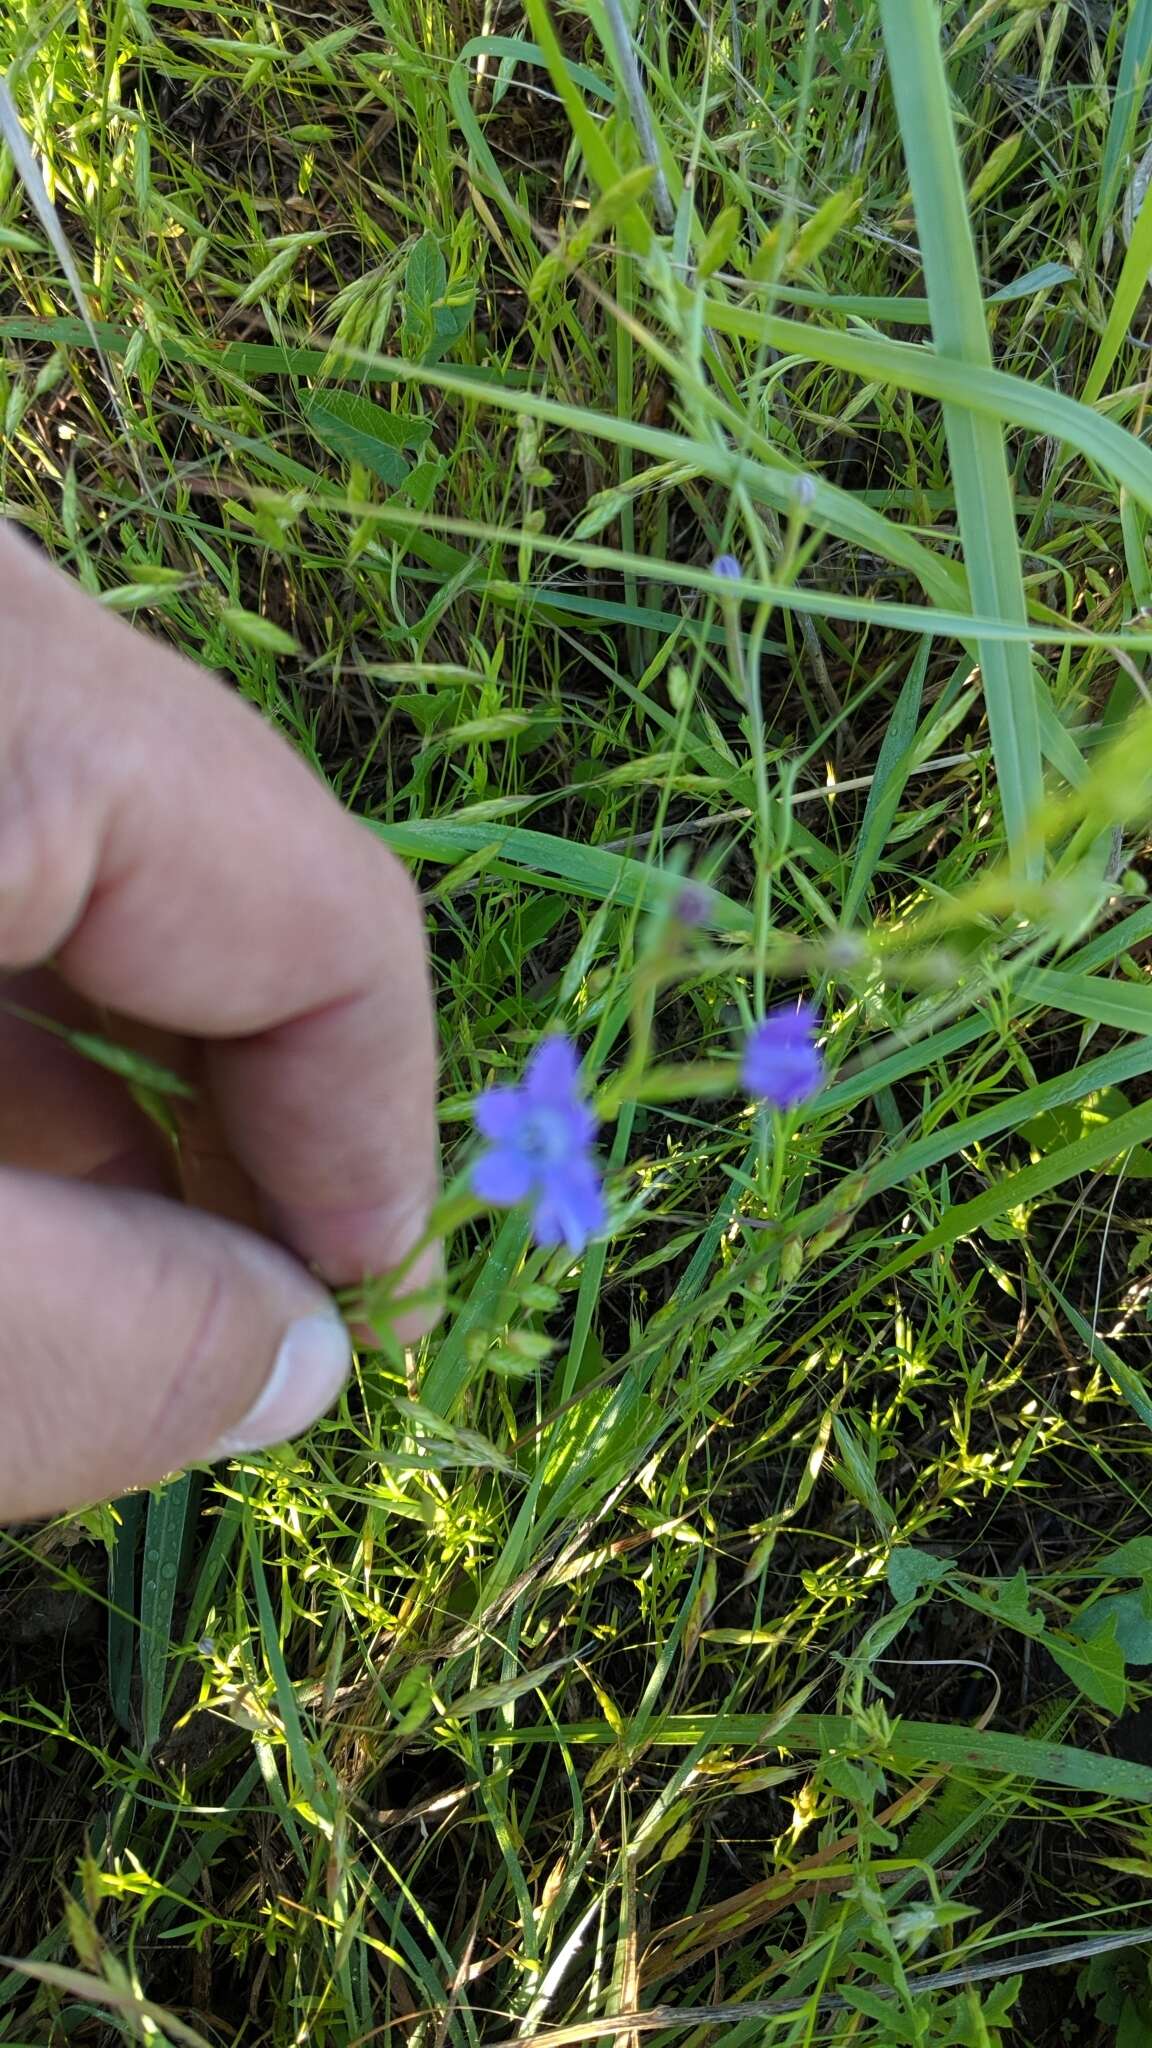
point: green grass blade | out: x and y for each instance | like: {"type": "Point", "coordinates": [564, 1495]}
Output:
{"type": "Point", "coordinates": [910, 1745]}
{"type": "Point", "coordinates": [1111, 1070]}
{"type": "Point", "coordinates": [164, 1539]}
{"type": "Point", "coordinates": [1130, 1385]}
{"type": "Point", "coordinates": [979, 387]}
{"type": "Point", "coordinates": [603, 168]}
{"type": "Point", "coordinates": [1125, 1005]}
{"type": "Point", "coordinates": [1130, 289]}
{"type": "Point", "coordinates": [124, 1631]}
{"type": "Point", "coordinates": [303, 1763]}
{"type": "Point", "coordinates": [892, 767]}
{"type": "Point", "coordinates": [546, 858]}
{"type": "Point", "coordinates": [122, 1625]}
{"type": "Point", "coordinates": [772, 482]}
{"type": "Point", "coordinates": [979, 468]}
{"type": "Point", "coordinates": [1014, 1191]}
{"type": "Point", "coordinates": [1131, 85]}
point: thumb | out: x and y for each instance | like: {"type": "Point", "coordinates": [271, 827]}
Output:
{"type": "Point", "coordinates": [137, 1336]}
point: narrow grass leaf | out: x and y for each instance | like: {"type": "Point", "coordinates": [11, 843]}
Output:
{"type": "Point", "coordinates": [1122, 1004]}
{"type": "Point", "coordinates": [1130, 289]}
{"type": "Point", "coordinates": [123, 1630]}
{"type": "Point", "coordinates": [977, 387]}
{"type": "Point", "coordinates": [164, 1539]}
{"type": "Point", "coordinates": [1131, 84]}
{"type": "Point", "coordinates": [980, 471]}
{"type": "Point", "coordinates": [298, 1749]}
{"type": "Point", "coordinates": [1128, 1383]}
{"type": "Point", "coordinates": [1015, 1191]}
{"type": "Point", "coordinates": [892, 768]}
{"type": "Point", "coordinates": [545, 858]}
{"type": "Point", "coordinates": [909, 1745]}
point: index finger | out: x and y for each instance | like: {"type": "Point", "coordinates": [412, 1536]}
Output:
{"type": "Point", "coordinates": [179, 862]}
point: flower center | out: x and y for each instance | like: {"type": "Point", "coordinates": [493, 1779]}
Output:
{"type": "Point", "coordinates": [544, 1137]}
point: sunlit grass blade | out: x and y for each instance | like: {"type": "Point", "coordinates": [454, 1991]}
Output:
{"type": "Point", "coordinates": [909, 1744]}
{"type": "Point", "coordinates": [1130, 288]}
{"type": "Point", "coordinates": [164, 1540]}
{"type": "Point", "coordinates": [979, 468]}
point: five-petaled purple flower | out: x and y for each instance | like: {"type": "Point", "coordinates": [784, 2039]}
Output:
{"type": "Point", "coordinates": [782, 1064]}
{"type": "Point", "coordinates": [540, 1148]}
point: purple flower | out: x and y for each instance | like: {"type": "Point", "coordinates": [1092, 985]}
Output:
{"type": "Point", "coordinates": [539, 1149]}
{"type": "Point", "coordinates": [781, 1062]}
{"type": "Point", "coordinates": [727, 565]}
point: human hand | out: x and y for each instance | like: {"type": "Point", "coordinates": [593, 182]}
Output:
{"type": "Point", "coordinates": [179, 866]}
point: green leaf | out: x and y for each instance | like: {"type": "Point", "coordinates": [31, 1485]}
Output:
{"type": "Point", "coordinates": [123, 1630]}
{"type": "Point", "coordinates": [448, 324]}
{"type": "Point", "coordinates": [1000, 2000]}
{"type": "Point", "coordinates": [1125, 1005]}
{"type": "Point", "coordinates": [908, 1570]}
{"type": "Point", "coordinates": [898, 2027]}
{"type": "Point", "coordinates": [1131, 1560]}
{"type": "Point", "coordinates": [893, 766]}
{"type": "Point", "coordinates": [131, 1066]}
{"type": "Point", "coordinates": [909, 366]}
{"type": "Point", "coordinates": [425, 275]}
{"type": "Point", "coordinates": [1096, 1668]}
{"type": "Point", "coordinates": [1054, 1127]}
{"type": "Point", "coordinates": [1129, 1383]}
{"type": "Point", "coordinates": [1130, 1615]}
{"type": "Point", "coordinates": [1011, 1602]}
{"type": "Point", "coordinates": [603, 169]}
{"type": "Point", "coordinates": [361, 431]}
{"type": "Point", "coordinates": [1041, 279]}
{"type": "Point", "coordinates": [1014, 1192]}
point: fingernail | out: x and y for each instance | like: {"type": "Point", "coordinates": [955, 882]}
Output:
{"type": "Point", "coordinates": [311, 1366]}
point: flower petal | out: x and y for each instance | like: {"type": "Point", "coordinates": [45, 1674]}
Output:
{"type": "Point", "coordinates": [502, 1176]}
{"type": "Point", "coordinates": [781, 1071]}
{"type": "Point", "coordinates": [552, 1072]}
{"type": "Point", "coordinates": [498, 1112]}
{"type": "Point", "coordinates": [787, 1027]}
{"type": "Point", "coordinates": [570, 1209]}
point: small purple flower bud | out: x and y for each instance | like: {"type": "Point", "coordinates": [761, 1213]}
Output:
{"type": "Point", "coordinates": [727, 565]}
{"type": "Point", "coordinates": [804, 492]}
{"type": "Point", "coordinates": [782, 1064]}
{"type": "Point", "coordinates": [693, 904]}
{"type": "Point", "coordinates": [539, 1148]}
